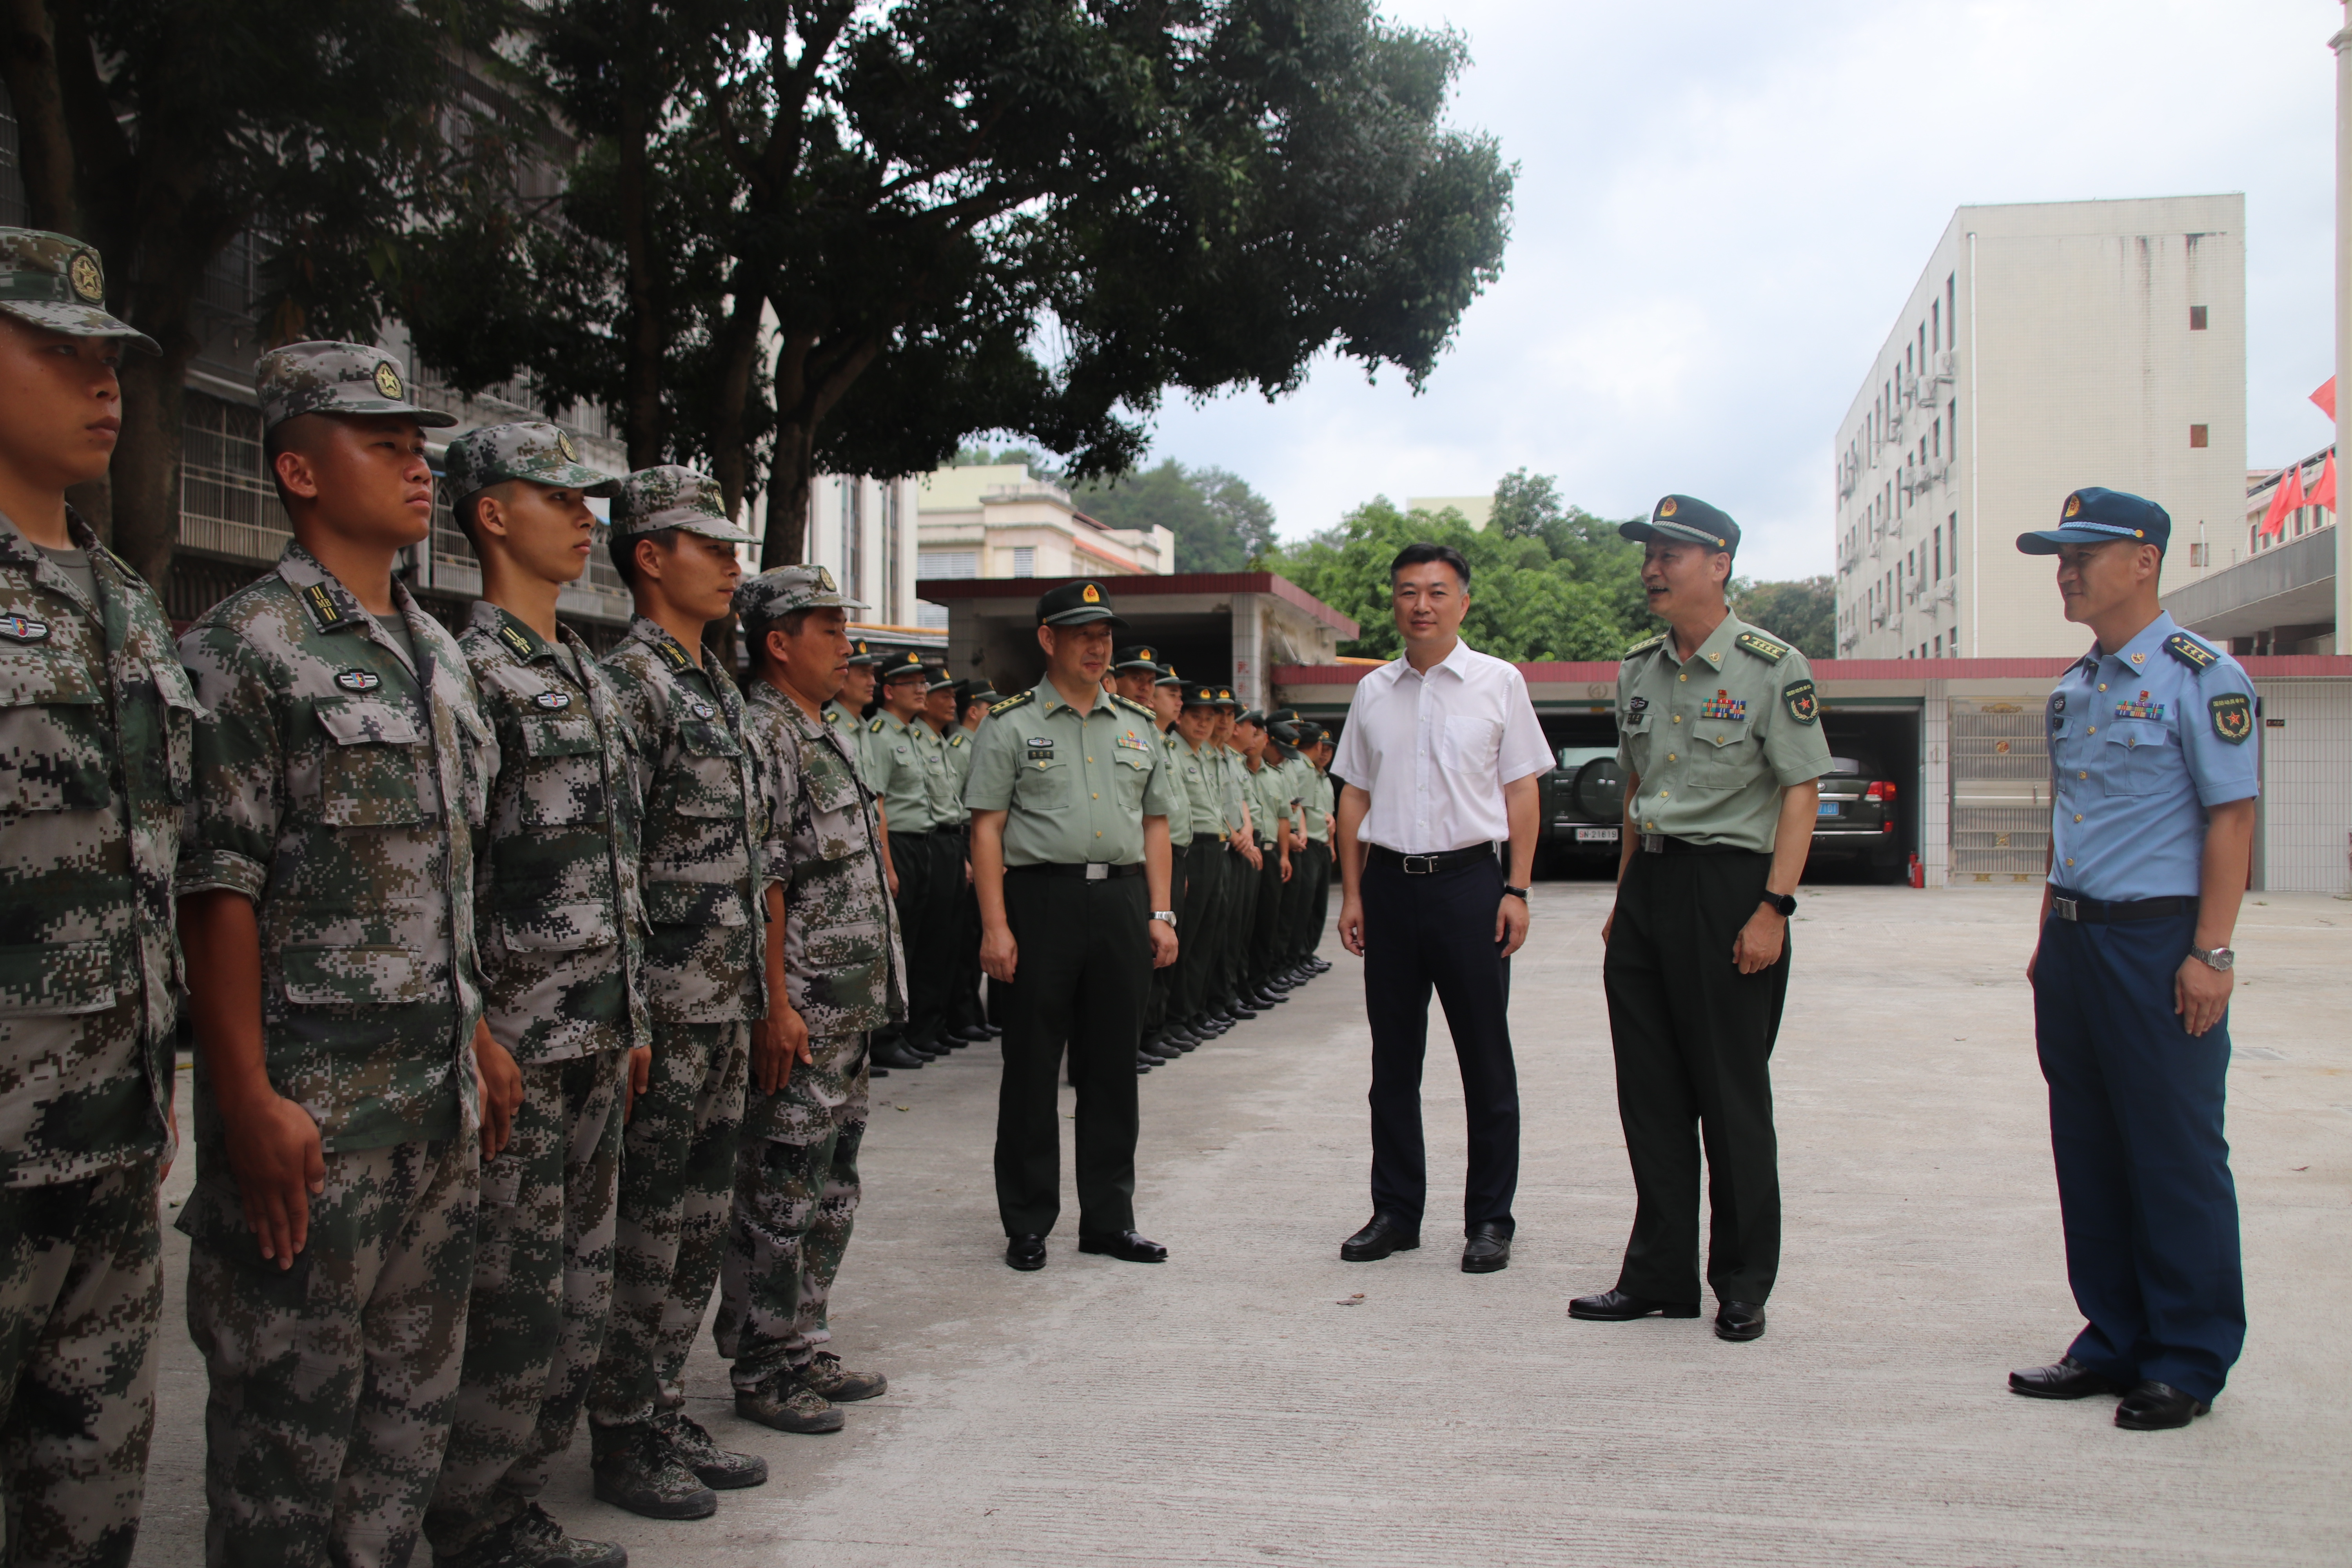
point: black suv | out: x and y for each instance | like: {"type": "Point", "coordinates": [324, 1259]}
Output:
{"type": "Point", "coordinates": [1583, 801]}
{"type": "Point", "coordinates": [1859, 821]}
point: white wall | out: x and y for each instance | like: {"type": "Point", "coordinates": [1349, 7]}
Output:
{"type": "Point", "coordinates": [2306, 789]}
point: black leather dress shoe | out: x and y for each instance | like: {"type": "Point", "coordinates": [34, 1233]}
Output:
{"type": "Point", "coordinates": [896, 1055]}
{"type": "Point", "coordinates": [1385, 1234]}
{"type": "Point", "coordinates": [1180, 1040]}
{"type": "Point", "coordinates": [2158, 1407]}
{"type": "Point", "coordinates": [1618, 1307]}
{"type": "Point", "coordinates": [1125, 1246]}
{"type": "Point", "coordinates": [1739, 1320]}
{"type": "Point", "coordinates": [2064, 1378]}
{"type": "Point", "coordinates": [1240, 1009]}
{"type": "Point", "coordinates": [1144, 1064]}
{"type": "Point", "coordinates": [1488, 1249]}
{"type": "Point", "coordinates": [1026, 1253]}
{"type": "Point", "coordinates": [972, 1034]}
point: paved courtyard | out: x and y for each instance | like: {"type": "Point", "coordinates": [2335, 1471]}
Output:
{"type": "Point", "coordinates": [1257, 1400]}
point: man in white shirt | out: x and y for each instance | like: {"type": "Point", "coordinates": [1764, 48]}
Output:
{"type": "Point", "coordinates": [1440, 759]}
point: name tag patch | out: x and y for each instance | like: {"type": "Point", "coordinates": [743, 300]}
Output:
{"type": "Point", "coordinates": [24, 629]}
{"type": "Point", "coordinates": [358, 680]}
{"type": "Point", "coordinates": [554, 702]}
{"type": "Point", "coordinates": [1722, 705]}
{"type": "Point", "coordinates": [2140, 708]}
{"type": "Point", "coordinates": [1041, 748]}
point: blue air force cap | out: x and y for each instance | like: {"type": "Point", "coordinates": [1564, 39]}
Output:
{"type": "Point", "coordinates": [2097, 516]}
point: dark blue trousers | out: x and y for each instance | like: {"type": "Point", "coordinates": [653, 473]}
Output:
{"type": "Point", "coordinates": [1438, 932]}
{"type": "Point", "coordinates": [2135, 1102]}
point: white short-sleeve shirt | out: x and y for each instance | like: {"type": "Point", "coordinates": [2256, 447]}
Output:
{"type": "Point", "coordinates": [1435, 750]}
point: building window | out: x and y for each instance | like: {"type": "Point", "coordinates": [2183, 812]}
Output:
{"type": "Point", "coordinates": [947, 564]}
{"type": "Point", "coordinates": [2197, 555]}
{"type": "Point", "coordinates": [1939, 555]}
{"type": "Point", "coordinates": [2196, 318]}
{"type": "Point", "coordinates": [2197, 433]}
{"type": "Point", "coordinates": [1936, 323]}
{"type": "Point", "coordinates": [1940, 644]}
{"type": "Point", "coordinates": [1025, 561]}
{"type": "Point", "coordinates": [1936, 433]}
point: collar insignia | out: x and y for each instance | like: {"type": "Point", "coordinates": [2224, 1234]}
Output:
{"type": "Point", "coordinates": [323, 608]}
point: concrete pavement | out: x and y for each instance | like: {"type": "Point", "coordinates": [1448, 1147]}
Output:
{"type": "Point", "coordinates": [1229, 1406]}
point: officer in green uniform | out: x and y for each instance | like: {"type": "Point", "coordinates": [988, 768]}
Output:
{"type": "Point", "coordinates": [901, 769]}
{"type": "Point", "coordinates": [1315, 810]}
{"type": "Point", "coordinates": [1162, 1041]}
{"type": "Point", "coordinates": [845, 715]}
{"type": "Point", "coordinates": [1070, 798]}
{"type": "Point", "coordinates": [1209, 864]}
{"type": "Point", "coordinates": [939, 728]}
{"type": "Point", "coordinates": [965, 1019]}
{"type": "Point", "coordinates": [1284, 740]}
{"type": "Point", "coordinates": [1245, 867]}
{"type": "Point", "coordinates": [1266, 788]}
{"type": "Point", "coordinates": [1721, 743]}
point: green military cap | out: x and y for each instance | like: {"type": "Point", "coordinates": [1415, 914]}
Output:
{"type": "Point", "coordinates": [334, 378]}
{"type": "Point", "coordinates": [672, 496]}
{"type": "Point", "coordinates": [941, 681]}
{"type": "Point", "coordinates": [1074, 604]}
{"type": "Point", "coordinates": [56, 282]}
{"type": "Point", "coordinates": [1250, 716]}
{"type": "Point", "coordinates": [1683, 520]}
{"type": "Point", "coordinates": [1309, 732]}
{"type": "Point", "coordinates": [1225, 698]}
{"type": "Point", "coordinates": [863, 656]}
{"type": "Point", "coordinates": [1136, 656]}
{"type": "Point", "coordinates": [981, 691]}
{"type": "Point", "coordinates": [1200, 697]}
{"type": "Point", "coordinates": [899, 666]}
{"type": "Point", "coordinates": [1168, 677]}
{"type": "Point", "coordinates": [527, 449]}
{"type": "Point", "coordinates": [1283, 731]}
{"type": "Point", "coordinates": [773, 595]}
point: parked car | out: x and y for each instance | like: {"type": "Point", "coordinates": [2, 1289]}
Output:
{"type": "Point", "coordinates": [1859, 822]}
{"type": "Point", "coordinates": [1583, 801]}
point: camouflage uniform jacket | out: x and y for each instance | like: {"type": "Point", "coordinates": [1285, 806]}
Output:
{"type": "Point", "coordinates": [844, 969]}
{"type": "Point", "coordinates": [555, 873]}
{"type": "Point", "coordinates": [337, 786]}
{"type": "Point", "coordinates": [95, 729]}
{"type": "Point", "coordinates": [704, 820]}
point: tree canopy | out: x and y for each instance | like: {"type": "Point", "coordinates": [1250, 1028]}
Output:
{"type": "Point", "coordinates": [1802, 612]}
{"type": "Point", "coordinates": [805, 235]}
{"type": "Point", "coordinates": [1221, 524]}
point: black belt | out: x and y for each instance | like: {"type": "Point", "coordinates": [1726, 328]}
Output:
{"type": "Point", "coordinates": [943, 832]}
{"type": "Point", "coordinates": [1667, 844]}
{"type": "Point", "coordinates": [1084, 871]}
{"type": "Point", "coordinates": [1430, 865]}
{"type": "Point", "coordinates": [2073, 906]}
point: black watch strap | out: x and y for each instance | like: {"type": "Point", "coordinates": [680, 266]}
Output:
{"type": "Point", "coordinates": [1518, 893]}
{"type": "Point", "coordinates": [1783, 904]}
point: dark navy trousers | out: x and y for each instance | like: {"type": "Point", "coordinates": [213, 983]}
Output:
{"type": "Point", "coordinates": [2135, 1103]}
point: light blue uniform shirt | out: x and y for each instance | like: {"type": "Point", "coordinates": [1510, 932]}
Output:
{"type": "Point", "coordinates": [2142, 740]}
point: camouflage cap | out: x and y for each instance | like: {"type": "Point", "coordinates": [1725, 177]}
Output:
{"type": "Point", "coordinates": [672, 496]}
{"type": "Point", "coordinates": [527, 449]}
{"type": "Point", "coordinates": [55, 280]}
{"type": "Point", "coordinates": [334, 378]}
{"type": "Point", "coordinates": [773, 595]}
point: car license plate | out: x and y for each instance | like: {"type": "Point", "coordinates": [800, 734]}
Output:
{"type": "Point", "coordinates": [1596, 836]}
{"type": "Point", "coordinates": [1829, 808]}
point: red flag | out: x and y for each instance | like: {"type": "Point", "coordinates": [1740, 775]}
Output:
{"type": "Point", "coordinates": [2323, 490]}
{"type": "Point", "coordinates": [2289, 494]}
{"type": "Point", "coordinates": [2325, 398]}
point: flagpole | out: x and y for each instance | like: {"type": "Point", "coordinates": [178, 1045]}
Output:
{"type": "Point", "coordinates": [2342, 43]}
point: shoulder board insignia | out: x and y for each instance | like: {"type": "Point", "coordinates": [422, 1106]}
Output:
{"type": "Point", "coordinates": [24, 629]}
{"type": "Point", "coordinates": [1010, 703]}
{"type": "Point", "coordinates": [516, 640]}
{"type": "Point", "coordinates": [323, 606]}
{"type": "Point", "coordinates": [2190, 652]}
{"type": "Point", "coordinates": [554, 702]}
{"type": "Point", "coordinates": [954, 741]}
{"type": "Point", "coordinates": [875, 727]}
{"type": "Point", "coordinates": [1132, 706]}
{"type": "Point", "coordinates": [1641, 648]}
{"type": "Point", "coordinates": [676, 654]}
{"type": "Point", "coordinates": [1763, 647]}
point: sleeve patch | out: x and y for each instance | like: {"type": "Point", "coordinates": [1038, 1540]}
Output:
{"type": "Point", "coordinates": [1763, 647]}
{"type": "Point", "coordinates": [2233, 716]}
{"type": "Point", "coordinates": [2191, 652]}
{"type": "Point", "coordinates": [1804, 704]}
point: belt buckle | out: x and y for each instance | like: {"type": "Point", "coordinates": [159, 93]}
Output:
{"type": "Point", "coordinates": [2065, 909]}
{"type": "Point", "coordinates": [1097, 871]}
{"type": "Point", "coordinates": [1419, 865]}
{"type": "Point", "coordinates": [1653, 842]}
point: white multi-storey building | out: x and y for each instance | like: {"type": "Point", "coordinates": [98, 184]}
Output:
{"type": "Point", "coordinates": [2045, 347]}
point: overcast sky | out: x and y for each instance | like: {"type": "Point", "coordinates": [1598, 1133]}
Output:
{"type": "Point", "coordinates": [1721, 206]}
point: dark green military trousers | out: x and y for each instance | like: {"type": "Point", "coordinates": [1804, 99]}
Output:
{"type": "Point", "coordinates": [1264, 938]}
{"type": "Point", "coordinates": [1311, 869]}
{"type": "Point", "coordinates": [1158, 1013]}
{"type": "Point", "coordinates": [1241, 913]}
{"type": "Point", "coordinates": [1082, 966]}
{"type": "Point", "coordinates": [1694, 1043]}
{"type": "Point", "coordinates": [1198, 928]}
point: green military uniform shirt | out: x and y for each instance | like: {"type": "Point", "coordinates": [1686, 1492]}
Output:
{"type": "Point", "coordinates": [946, 784]}
{"type": "Point", "coordinates": [1233, 790]}
{"type": "Point", "coordinates": [958, 741]}
{"type": "Point", "coordinates": [1074, 786]}
{"type": "Point", "coordinates": [95, 741]}
{"type": "Point", "coordinates": [556, 900]}
{"type": "Point", "coordinates": [1203, 787]}
{"type": "Point", "coordinates": [1268, 790]}
{"type": "Point", "coordinates": [1715, 740]}
{"type": "Point", "coordinates": [1181, 779]}
{"type": "Point", "coordinates": [841, 721]}
{"type": "Point", "coordinates": [1320, 808]}
{"type": "Point", "coordinates": [897, 772]}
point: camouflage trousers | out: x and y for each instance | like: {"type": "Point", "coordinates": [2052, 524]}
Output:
{"type": "Point", "coordinates": [81, 1291]}
{"type": "Point", "coordinates": [795, 1200]}
{"type": "Point", "coordinates": [678, 1178]}
{"type": "Point", "coordinates": [542, 1287]}
{"type": "Point", "coordinates": [331, 1382]}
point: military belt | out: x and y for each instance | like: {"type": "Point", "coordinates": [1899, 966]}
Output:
{"type": "Point", "coordinates": [1430, 865]}
{"type": "Point", "coordinates": [1667, 844]}
{"type": "Point", "coordinates": [1083, 871]}
{"type": "Point", "coordinates": [2101, 912]}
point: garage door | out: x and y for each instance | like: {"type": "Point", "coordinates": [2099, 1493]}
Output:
{"type": "Point", "coordinates": [2001, 792]}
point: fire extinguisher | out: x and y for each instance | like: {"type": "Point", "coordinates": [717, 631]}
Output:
{"type": "Point", "coordinates": [1918, 871]}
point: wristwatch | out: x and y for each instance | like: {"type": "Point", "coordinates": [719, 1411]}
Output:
{"type": "Point", "coordinates": [1782, 904]}
{"type": "Point", "coordinates": [2221, 958]}
{"type": "Point", "coordinates": [1168, 915]}
{"type": "Point", "coordinates": [1518, 893]}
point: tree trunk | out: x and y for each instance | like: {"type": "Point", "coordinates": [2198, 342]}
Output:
{"type": "Point", "coordinates": [790, 475]}
{"type": "Point", "coordinates": [641, 415]}
{"type": "Point", "coordinates": [44, 151]}
{"type": "Point", "coordinates": [730, 461]}
{"type": "Point", "coordinates": [145, 478]}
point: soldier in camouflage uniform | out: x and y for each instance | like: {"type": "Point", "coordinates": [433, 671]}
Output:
{"type": "Point", "coordinates": [796, 1185]}
{"type": "Point", "coordinates": [94, 747]}
{"type": "Point", "coordinates": [340, 763]}
{"type": "Point", "coordinates": [559, 925]}
{"type": "Point", "coordinates": [707, 984]}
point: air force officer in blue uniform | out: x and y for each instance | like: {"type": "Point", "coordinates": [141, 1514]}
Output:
{"type": "Point", "coordinates": [2154, 752]}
